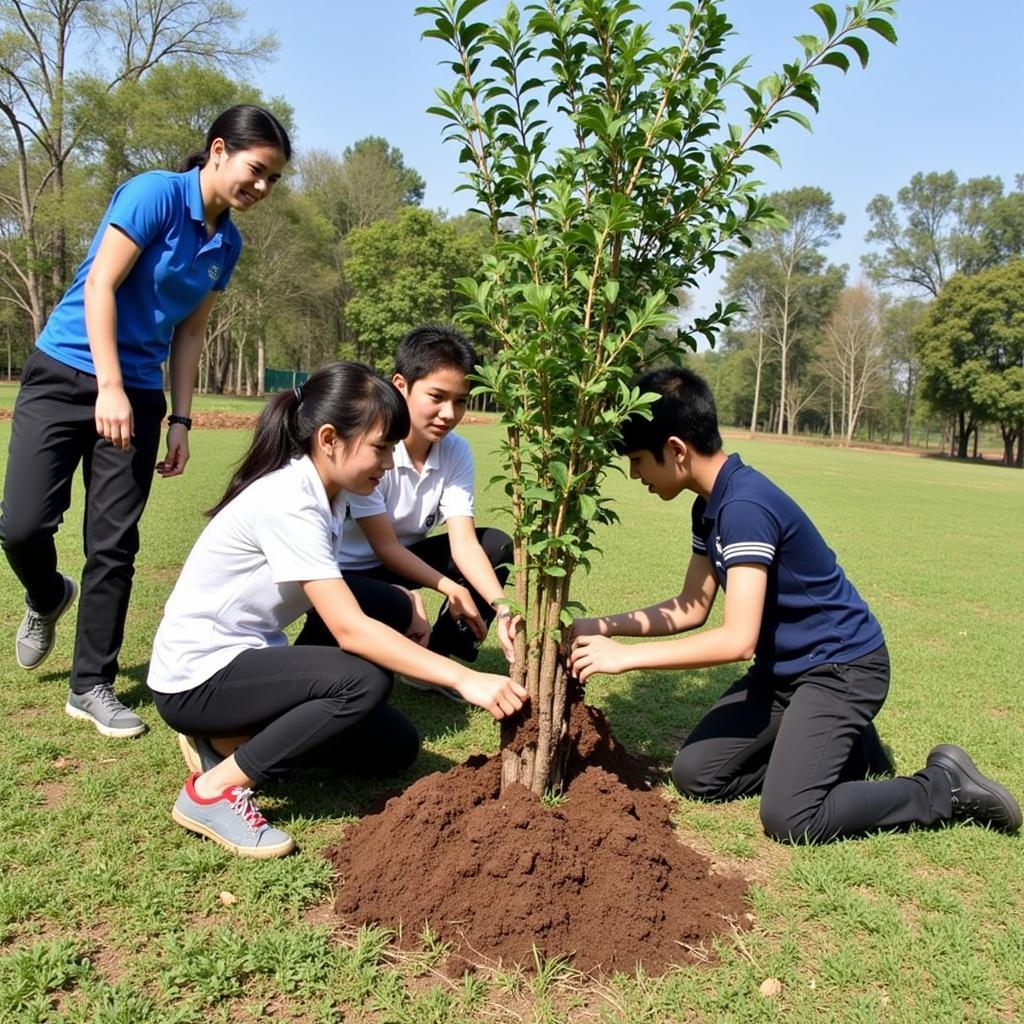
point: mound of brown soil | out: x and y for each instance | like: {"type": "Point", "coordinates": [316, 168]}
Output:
{"type": "Point", "coordinates": [599, 877]}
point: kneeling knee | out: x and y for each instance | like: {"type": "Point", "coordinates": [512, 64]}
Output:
{"type": "Point", "coordinates": [785, 826]}
{"type": "Point", "coordinates": [692, 778]}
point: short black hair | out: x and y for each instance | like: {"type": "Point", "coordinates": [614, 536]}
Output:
{"type": "Point", "coordinates": [686, 409]}
{"type": "Point", "coordinates": [432, 347]}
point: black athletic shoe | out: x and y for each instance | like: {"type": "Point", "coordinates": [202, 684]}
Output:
{"type": "Point", "coordinates": [975, 796]}
{"type": "Point", "coordinates": [453, 639]}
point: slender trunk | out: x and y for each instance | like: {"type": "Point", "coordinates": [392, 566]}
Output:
{"type": "Point", "coordinates": [757, 375]}
{"type": "Point", "coordinates": [261, 364]}
{"type": "Point", "coordinates": [534, 749]}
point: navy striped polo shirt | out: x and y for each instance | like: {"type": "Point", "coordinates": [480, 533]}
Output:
{"type": "Point", "coordinates": [812, 612]}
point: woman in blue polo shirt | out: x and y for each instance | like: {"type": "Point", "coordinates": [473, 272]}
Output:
{"type": "Point", "coordinates": [92, 392]}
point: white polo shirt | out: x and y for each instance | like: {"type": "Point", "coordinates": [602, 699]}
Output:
{"type": "Point", "coordinates": [415, 502]}
{"type": "Point", "coordinates": [240, 585]}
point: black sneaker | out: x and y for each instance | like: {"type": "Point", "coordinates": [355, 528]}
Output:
{"type": "Point", "coordinates": [975, 796]}
{"type": "Point", "coordinates": [453, 639]}
{"type": "Point", "coordinates": [38, 633]}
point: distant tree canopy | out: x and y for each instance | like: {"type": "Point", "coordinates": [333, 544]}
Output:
{"type": "Point", "coordinates": [939, 226]}
{"type": "Point", "coordinates": [154, 81]}
{"type": "Point", "coordinates": [971, 344]}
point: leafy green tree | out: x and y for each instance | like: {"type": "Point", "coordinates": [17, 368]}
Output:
{"type": "Point", "coordinates": [899, 321]}
{"type": "Point", "coordinates": [610, 178]}
{"type": "Point", "coordinates": [971, 341]}
{"type": "Point", "coordinates": [402, 272]}
{"type": "Point", "coordinates": [939, 226]}
{"type": "Point", "coordinates": [47, 114]}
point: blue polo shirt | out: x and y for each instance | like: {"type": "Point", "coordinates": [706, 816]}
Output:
{"type": "Point", "coordinates": [162, 213]}
{"type": "Point", "coordinates": [812, 613]}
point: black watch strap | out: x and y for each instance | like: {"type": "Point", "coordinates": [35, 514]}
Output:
{"type": "Point", "coordinates": [183, 420]}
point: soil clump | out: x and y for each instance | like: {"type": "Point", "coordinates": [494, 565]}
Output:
{"type": "Point", "coordinates": [599, 877]}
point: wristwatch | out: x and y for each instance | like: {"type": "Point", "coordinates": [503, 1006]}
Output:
{"type": "Point", "coordinates": [183, 420]}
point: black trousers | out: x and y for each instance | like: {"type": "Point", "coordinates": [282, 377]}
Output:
{"type": "Point", "coordinates": [54, 430]}
{"type": "Point", "coordinates": [302, 706]}
{"type": "Point", "coordinates": [806, 744]}
{"type": "Point", "coordinates": [446, 638]}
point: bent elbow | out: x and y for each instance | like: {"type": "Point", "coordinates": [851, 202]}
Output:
{"type": "Point", "coordinates": [747, 650]}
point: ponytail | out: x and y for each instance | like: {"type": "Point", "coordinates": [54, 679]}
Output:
{"type": "Point", "coordinates": [351, 397]}
{"type": "Point", "coordinates": [196, 159]}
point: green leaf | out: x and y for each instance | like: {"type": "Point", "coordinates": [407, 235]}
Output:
{"type": "Point", "coordinates": [837, 60]}
{"type": "Point", "coordinates": [859, 47]}
{"type": "Point", "coordinates": [560, 473]}
{"type": "Point", "coordinates": [810, 44]}
{"type": "Point", "coordinates": [883, 28]}
{"type": "Point", "coordinates": [828, 17]}
{"type": "Point", "coordinates": [554, 570]}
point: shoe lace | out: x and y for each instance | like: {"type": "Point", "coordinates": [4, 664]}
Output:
{"type": "Point", "coordinates": [105, 695]}
{"type": "Point", "coordinates": [35, 626]}
{"type": "Point", "coordinates": [243, 804]}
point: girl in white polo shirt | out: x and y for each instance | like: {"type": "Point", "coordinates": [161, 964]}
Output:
{"type": "Point", "coordinates": [222, 672]}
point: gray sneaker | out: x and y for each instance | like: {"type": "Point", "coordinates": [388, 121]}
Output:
{"type": "Point", "coordinates": [232, 819]}
{"type": "Point", "coordinates": [37, 633]}
{"type": "Point", "coordinates": [105, 711]}
{"type": "Point", "coordinates": [198, 753]}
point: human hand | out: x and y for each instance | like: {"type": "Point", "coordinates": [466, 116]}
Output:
{"type": "Point", "coordinates": [591, 655]}
{"type": "Point", "coordinates": [462, 608]}
{"type": "Point", "coordinates": [114, 418]}
{"type": "Point", "coordinates": [499, 695]}
{"type": "Point", "coordinates": [177, 451]}
{"type": "Point", "coordinates": [508, 626]}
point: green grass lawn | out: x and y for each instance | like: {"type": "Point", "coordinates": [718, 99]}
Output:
{"type": "Point", "coordinates": [111, 913]}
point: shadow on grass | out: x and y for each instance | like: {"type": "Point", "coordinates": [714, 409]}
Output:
{"type": "Point", "coordinates": [654, 712]}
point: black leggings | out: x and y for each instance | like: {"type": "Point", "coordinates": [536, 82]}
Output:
{"type": "Point", "coordinates": [445, 637]}
{"type": "Point", "coordinates": [806, 745]}
{"type": "Point", "coordinates": [302, 706]}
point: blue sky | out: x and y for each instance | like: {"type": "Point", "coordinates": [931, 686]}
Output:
{"type": "Point", "coordinates": [947, 97]}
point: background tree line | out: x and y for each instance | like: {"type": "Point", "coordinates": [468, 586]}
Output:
{"type": "Point", "coordinates": [930, 341]}
{"type": "Point", "coordinates": [340, 263]}
{"type": "Point", "coordinates": [344, 259]}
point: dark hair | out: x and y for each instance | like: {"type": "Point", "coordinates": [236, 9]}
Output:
{"type": "Point", "coordinates": [686, 409]}
{"type": "Point", "coordinates": [432, 347]}
{"type": "Point", "coordinates": [242, 127]}
{"type": "Point", "coordinates": [351, 397]}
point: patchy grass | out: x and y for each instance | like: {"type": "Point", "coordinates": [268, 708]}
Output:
{"type": "Point", "coordinates": [110, 913]}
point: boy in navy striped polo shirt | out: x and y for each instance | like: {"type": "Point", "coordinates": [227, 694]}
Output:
{"type": "Point", "coordinates": [798, 726]}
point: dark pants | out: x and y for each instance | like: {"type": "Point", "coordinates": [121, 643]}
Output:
{"type": "Point", "coordinates": [446, 638]}
{"type": "Point", "coordinates": [302, 706]}
{"type": "Point", "coordinates": [806, 744]}
{"type": "Point", "coordinates": [54, 430]}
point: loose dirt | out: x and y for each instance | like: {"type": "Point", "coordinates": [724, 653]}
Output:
{"type": "Point", "coordinates": [600, 877]}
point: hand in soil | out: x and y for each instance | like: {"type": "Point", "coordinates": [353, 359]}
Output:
{"type": "Point", "coordinates": [497, 694]}
{"type": "Point", "coordinates": [591, 655]}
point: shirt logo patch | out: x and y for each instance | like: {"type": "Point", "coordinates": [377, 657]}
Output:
{"type": "Point", "coordinates": [429, 521]}
{"type": "Point", "coordinates": [214, 271]}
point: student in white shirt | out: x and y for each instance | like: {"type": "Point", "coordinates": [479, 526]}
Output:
{"type": "Point", "coordinates": [385, 535]}
{"type": "Point", "coordinates": [222, 672]}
